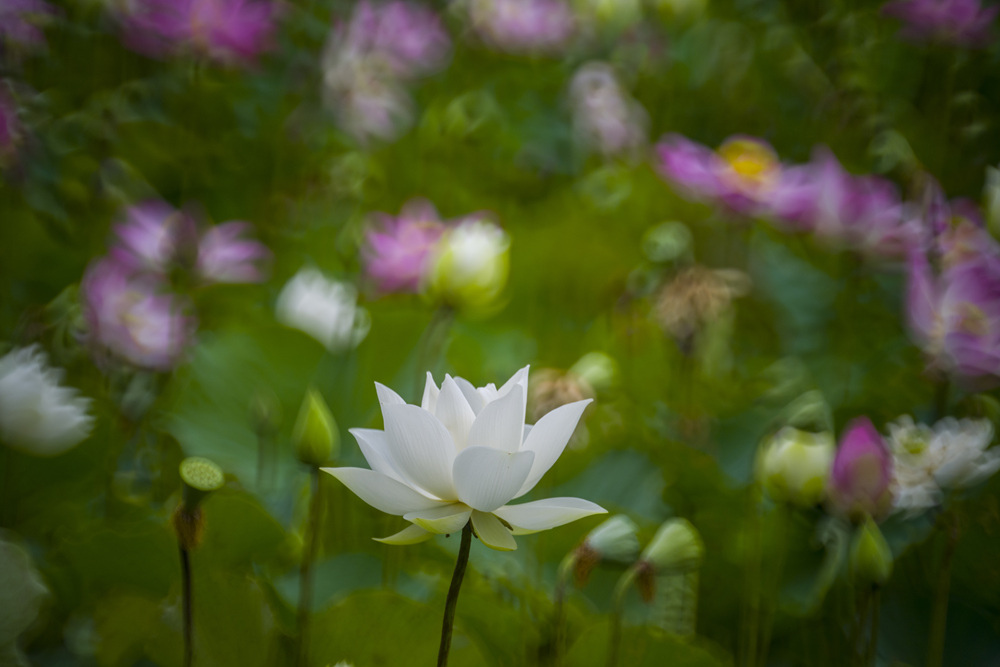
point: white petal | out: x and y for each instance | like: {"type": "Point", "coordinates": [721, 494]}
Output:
{"type": "Point", "coordinates": [544, 514]}
{"type": "Point", "coordinates": [429, 401]}
{"type": "Point", "coordinates": [387, 396]}
{"type": "Point", "coordinates": [374, 447]}
{"type": "Point", "coordinates": [441, 520]}
{"type": "Point", "coordinates": [487, 478]}
{"type": "Point", "coordinates": [381, 492]}
{"type": "Point", "coordinates": [548, 439]}
{"type": "Point", "coordinates": [409, 535]}
{"type": "Point", "coordinates": [454, 412]}
{"type": "Point", "coordinates": [500, 424]}
{"type": "Point", "coordinates": [518, 379]}
{"type": "Point", "coordinates": [420, 448]}
{"type": "Point", "coordinates": [492, 532]}
{"type": "Point", "coordinates": [471, 395]}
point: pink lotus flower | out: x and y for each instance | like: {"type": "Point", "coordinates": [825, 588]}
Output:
{"type": "Point", "coordinates": [156, 237]}
{"type": "Point", "coordinates": [398, 251]}
{"type": "Point", "coordinates": [19, 23]}
{"type": "Point", "coordinates": [225, 31]}
{"type": "Point", "coordinates": [859, 213]}
{"type": "Point", "coordinates": [956, 22]}
{"type": "Point", "coordinates": [132, 316]}
{"type": "Point", "coordinates": [861, 473]}
{"type": "Point", "coordinates": [739, 176]}
{"type": "Point", "coordinates": [523, 26]}
{"type": "Point", "coordinates": [955, 317]}
{"type": "Point", "coordinates": [226, 256]}
{"type": "Point", "coordinates": [407, 38]}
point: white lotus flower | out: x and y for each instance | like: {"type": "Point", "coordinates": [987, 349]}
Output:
{"type": "Point", "coordinates": [37, 414]}
{"type": "Point", "coordinates": [952, 455]}
{"type": "Point", "coordinates": [463, 454]}
{"type": "Point", "coordinates": [325, 309]}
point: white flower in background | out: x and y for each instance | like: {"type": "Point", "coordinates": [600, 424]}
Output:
{"type": "Point", "coordinates": [952, 455]}
{"type": "Point", "coordinates": [605, 117]}
{"type": "Point", "coordinates": [325, 309]}
{"type": "Point", "coordinates": [37, 414]}
{"type": "Point", "coordinates": [470, 267]}
{"type": "Point", "coordinates": [463, 454]}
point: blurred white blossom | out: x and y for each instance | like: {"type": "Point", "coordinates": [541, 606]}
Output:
{"type": "Point", "coordinates": [470, 267]}
{"type": "Point", "coordinates": [951, 455]}
{"type": "Point", "coordinates": [325, 309]}
{"type": "Point", "coordinates": [37, 414]}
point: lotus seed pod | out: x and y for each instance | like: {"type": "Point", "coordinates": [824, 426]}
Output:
{"type": "Point", "coordinates": [200, 477]}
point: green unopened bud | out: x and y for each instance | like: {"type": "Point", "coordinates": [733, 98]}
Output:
{"type": "Point", "coordinates": [614, 540]}
{"type": "Point", "coordinates": [200, 477]}
{"type": "Point", "coordinates": [809, 412]}
{"type": "Point", "coordinates": [316, 436]}
{"type": "Point", "coordinates": [676, 547]}
{"type": "Point", "coordinates": [871, 558]}
{"type": "Point", "coordinates": [793, 466]}
{"type": "Point", "coordinates": [470, 268]}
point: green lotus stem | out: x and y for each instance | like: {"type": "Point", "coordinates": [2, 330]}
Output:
{"type": "Point", "coordinates": [751, 604]}
{"type": "Point", "coordinates": [559, 611]}
{"type": "Point", "coordinates": [939, 613]}
{"type": "Point", "coordinates": [942, 392]}
{"type": "Point", "coordinates": [430, 345]}
{"type": "Point", "coordinates": [621, 588]}
{"type": "Point", "coordinates": [311, 541]}
{"type": "Point", "coordinates": [187, 606]}
{"type": "Point", "coordinates": [452, 603]}
{"type": "Point", "coordinates": [873, 609]}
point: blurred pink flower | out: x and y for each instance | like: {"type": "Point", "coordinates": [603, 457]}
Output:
{"type": "Point", "coordinates": [408, 38]}
{"type": "Point", "coordinates": [155, 237]}
{"type": "Point", "coordinates": [226, 256]}
{"type": "Point", "coordinates": [19, 21]}
{"type": "Point", "coordinates": [739, 176]}
{"type": "Point", "coordinates": [861, 473]}
{"type": "Point", "coordinates": [955, 317]}
{"type": "Point", "coordinates": [226, 31]}
{"type": "Point", "coordinates": [957, 22]}
{"type": "Point", "coordinates": [131, 315]}
{"type": "Point", "coordinates": [398, 249]}
{"type": "Point", "coordinates": [605, 117]}
{"type": "Point", "coordinates": [523, 26]}
{"type": "Point", "coordinates": [859, 213]}
{"type": "Point", "coordinates": [10, 125]}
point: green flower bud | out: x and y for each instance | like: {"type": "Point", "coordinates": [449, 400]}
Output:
{"type": "Point", "coordinates": [596, 369]}
{"type": "Point", "coordinates": [200, 477]}
{"type": "Point", "coordinates": [793, 466]}
{"type": "Point", "coordinates": [676, 547]}
{"type": "Point", "coordinates": [316, 436]}
{"type": "Point", "coordinates": [470, 268]}
{"type": "Point", "coordinates": [871, 558]}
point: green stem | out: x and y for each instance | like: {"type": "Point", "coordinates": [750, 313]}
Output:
{"type": "Point", "coordinates": [873, 609]}
{"type": "Point", "coordinates": [942, 392]}
{"type": "Point", "coordinates": [187, 606]}
{"type": "Point", "coordinates": [559, 613]}
{"type": "Point", "coordinates": [939, 614]}
{"type": "Point", "coordinates": [621, 588]}
{"type": "Point", "coordinates": [751, 602]}
{"type": "Point", "coordinates": [430, 345]}
{"type": "Point", "coordinates": [782, 517]}
{"type": "Point", "coordinates": [452, 602]}
{"type": "Point", "coordinates": [305, 568]}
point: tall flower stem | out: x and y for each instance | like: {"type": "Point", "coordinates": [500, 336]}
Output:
{"type": "Point", "coordinates": [452, 603]}
{"type": "Point", "coordinates": [311, 541]}
{"type": "Point", "coordinates": [187, 606]}
{"type": "Point", "coordinates": [430, 346]}
{"type": "Point", "coordinates": [939, 613]}
{"type": "Point", "coordinates": [621, 588]}
{"type": "Point", "coordinates": [559, 611]}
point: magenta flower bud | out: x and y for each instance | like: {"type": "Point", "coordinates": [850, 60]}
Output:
{"type": "Point", "coordinates": [408, 38]}
{"type": "Point", "coordinates": [397, 253]}
{"type": "Point", "coordinates": [523, 26]}
{"type": "Point", "coordinates": [130, 315]}
{"type": "Point", "coordinates": [861, 473]}
{"type": "Point", "coordinates": [225, 31]}
{"type": "Point", "coordinates": [226, 256]}
{"type": "Point", "coordinates": [956, 22]}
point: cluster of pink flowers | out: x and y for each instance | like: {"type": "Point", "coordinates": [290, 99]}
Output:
{"type": "Point", "coordinates": [223, 31]}
{"type": "Point", "coordinates": [953, 294]}
{"type": "Point", "coordinates": [369, 60]}
{"type": "Point", "coordinates": [132, 309]}
{"type": "Point", "coordinates": [523, 26]}
{"type": "Point", "coordinates": [745, 177]}
{"type": "Point", "coordinates": [398, 249]}
{"type": "Point", "coordinates": [955, 22]}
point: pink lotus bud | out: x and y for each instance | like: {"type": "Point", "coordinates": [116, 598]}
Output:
{"type": "Point", "coordinates": [862, 470]}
